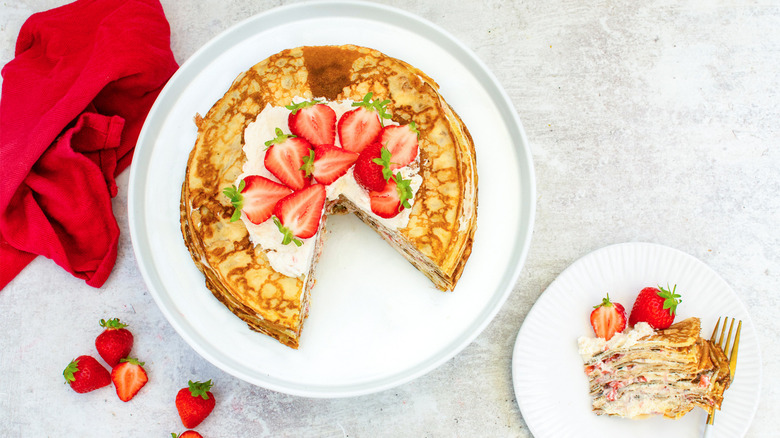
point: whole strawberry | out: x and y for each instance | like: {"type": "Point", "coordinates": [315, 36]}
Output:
{"type": "Point", "coordinates": [115, 342]}
{"type": "Point", "coordinates": [195, 403]}
{"type": "Point", "coordinates": [372, 167]}
{"type": "Point", "coordinates": [608, 318]}
{"type": "Point", "coordinates": [655, 306]}
{"type": "Point", "coordinates": [85, 374]}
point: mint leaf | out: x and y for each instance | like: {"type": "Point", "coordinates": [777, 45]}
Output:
{"type": "Point", "coordinates": [236, 199]}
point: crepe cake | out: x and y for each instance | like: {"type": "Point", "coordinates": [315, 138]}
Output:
{"type": "Point", "coordinates": [655, 372]}
{"type": "Point", "coordinates": [441, 220]}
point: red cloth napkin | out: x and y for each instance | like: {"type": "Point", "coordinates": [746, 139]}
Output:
{"type": "Point", "coordinates": [74, 99]}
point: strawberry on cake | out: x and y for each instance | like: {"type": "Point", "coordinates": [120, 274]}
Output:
{"type": "Point", "coordinates": [281, 196]}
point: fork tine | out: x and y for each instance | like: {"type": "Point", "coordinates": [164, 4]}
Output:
{"type": "Point", "coordinates": [734, 351]}
{"type": "Point", "coordinates": [728, 338]}
{"type": "Point", "coordinates": [715, 331]}
{"type": "Point", "coordinates": [723, 334]}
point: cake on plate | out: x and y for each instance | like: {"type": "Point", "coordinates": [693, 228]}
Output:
{"type": "Point", "coordinates": [315, 131]}
{"type": "Point", "coordinates": [648, 372]}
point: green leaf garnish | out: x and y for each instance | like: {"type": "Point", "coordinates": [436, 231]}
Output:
{"type": "Point", "coordinates": [236, 198]}
{"type": "Point", "coordinates": [380, 106]}
{"type": "Point", "coordinates": [287, 235]}
{"type": "Point", "coordinates": [404, 187]}
{"type": "Point", "coordinates": [413, 127]}
{"type": "Point", "coordinates": [384, 161]}
{"type": "Point", "coordinates": [308, 163]}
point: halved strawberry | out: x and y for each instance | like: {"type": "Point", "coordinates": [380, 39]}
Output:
{"type": "Point", "coordinates": [314, 121]}
{"type": "Point", "coordinates": [372, 168]}
{"type": "Point", "coordinates": [328, 163]}
{"type": "Point", "coordinates": [256, 196]}
{"type": "Point", "coordinates": [187, 434]}
{"type": "Point", "coordinates": [360, 127]}
{"type": "Point", "coordinates": [298, 215]}
{"type": "Point", "coordinates": [284, 158]}
{"type": "Point", "coordinates": [393, 199]}
{"type": "Point", "coordinates": [608, 318]}
{"type": "Point", "coordinates": [401, 141]}
{"type": "Point", "coordinates": [128, 377]}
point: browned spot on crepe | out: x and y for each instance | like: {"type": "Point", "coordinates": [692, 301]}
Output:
{"type": "Point", "coordinates": [331, 65]}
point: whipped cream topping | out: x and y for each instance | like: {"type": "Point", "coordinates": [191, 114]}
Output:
{"type": "Point", "coordinates": [589, 346]}
{"type": "Point", "coordinates": [292, 260]}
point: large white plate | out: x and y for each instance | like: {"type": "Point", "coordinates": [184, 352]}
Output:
{"type": "Point", "coordinates": [375, 321]}
{"type": "Point", "coordinates": [550, 385]}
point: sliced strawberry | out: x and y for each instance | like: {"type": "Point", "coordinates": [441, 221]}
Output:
{"type": "Point", "coordinates": [393, 199]}
{"type": "Point", "coordinates": [284, 158]}
{"type": "Point", "coordinates": [608, 318]}
{"type": "Point", "coordinates": [256, 196]}
{"type": "Point", "coordinates": [358, 128]}
{"type": "Point", "coordinates": [372, 168]}
{"type": "Point", "coordinates": [328, 163]}
{"type": "Point", "coordinates": [298, 215]}
{"type": "Point", "coordinates": [401, 141]}
{"type": "Point", "coordinates": [314, 121]}
{"type": "Point", "coordinates": [361, 126]}
{"type": "Point", "coordinates": [128, 377]}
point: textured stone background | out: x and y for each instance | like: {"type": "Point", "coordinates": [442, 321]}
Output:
{"type": "Point", "coordinates": [656, 121]}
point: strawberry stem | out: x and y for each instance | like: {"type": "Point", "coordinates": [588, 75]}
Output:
{"type": "Point", "coordinates": [605, 302]}
{"type": "Point", "coordinates": [294, 107]}
{"type": "Point", "coordinates": [200, 389]}
{"type": "Point", "coordinates": [131, 360]}
{"type": "Point", "coordinates": [281, 137]}
{"type": "Point", "coordinates": [112, 323]}
{"type": "Point", "coordinates": [375, 105]}
{"type": "Point", "coordinates": [72, 367]}
{"type": "Point", "coordinates": [670, 298]}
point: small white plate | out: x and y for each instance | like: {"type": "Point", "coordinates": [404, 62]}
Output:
{"type": "Point", "coordinates": [375, 321]}
{"type": "Point", "coordinates": [550, 384]}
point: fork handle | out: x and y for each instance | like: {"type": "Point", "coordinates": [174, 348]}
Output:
{"type": "Point", "coordinates": [708, 431]}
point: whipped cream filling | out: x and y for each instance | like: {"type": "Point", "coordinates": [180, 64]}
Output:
{"type": "Point", "coordinates": [292, 260]}
{"type": "Point", "coordinates": [589, 346]}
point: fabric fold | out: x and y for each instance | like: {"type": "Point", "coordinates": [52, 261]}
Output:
{"type": "Point", "coordinates": [74, 99]}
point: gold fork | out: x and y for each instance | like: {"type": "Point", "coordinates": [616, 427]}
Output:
{"type": "Point", "coordinates": [731, 356]}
